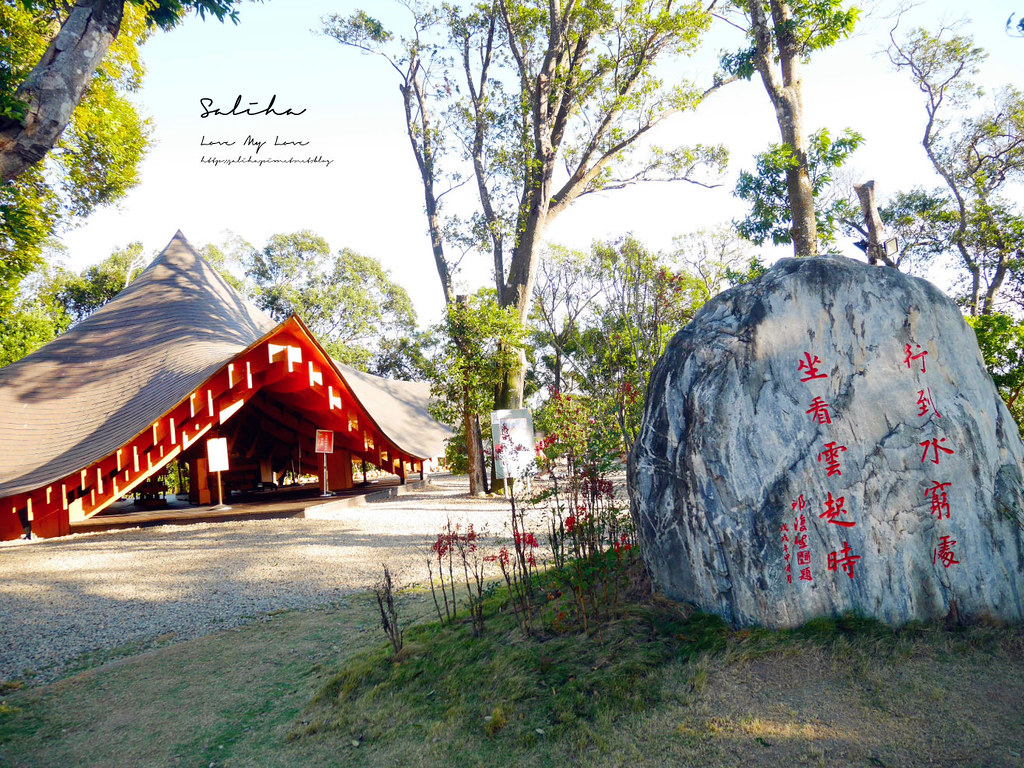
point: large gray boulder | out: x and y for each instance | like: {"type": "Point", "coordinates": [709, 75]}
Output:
{"type": "Point", "coordinates": [823, 439]}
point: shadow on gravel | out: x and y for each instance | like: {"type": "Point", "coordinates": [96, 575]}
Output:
{"type": "Point", "coordinates": [95, 593]}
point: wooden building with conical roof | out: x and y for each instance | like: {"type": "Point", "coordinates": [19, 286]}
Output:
{"type": "Point", "coordinates": [176, 358]}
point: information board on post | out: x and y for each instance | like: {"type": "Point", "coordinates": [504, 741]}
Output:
{"type": "Point", "coordinates": [514, 444]}
{"type": "Point", "coordinates": [217, 462]}
{"type": "Point", "coordinates": [324, 445]}
{"type": "Point", "coordinates": [217, 454]}
{"type": "Point", "coordinates": [325, 441]}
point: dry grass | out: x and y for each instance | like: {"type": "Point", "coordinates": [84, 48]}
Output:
{"type": "Point", "coordinates": [225, 699]}
{"type": "Point", "coordinates": [830, 696]}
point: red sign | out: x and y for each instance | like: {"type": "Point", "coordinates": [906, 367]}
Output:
{"type": "Point", "coordinates": [324, 441]}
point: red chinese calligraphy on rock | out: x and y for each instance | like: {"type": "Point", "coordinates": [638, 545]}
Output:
{"type": "Point", "coordinates": [809, 366]}
{"type": "Point", "coordinates": [934, 446]}
{"type": "Point", "coordinates": [833, 509]}
{"type": "Point", "coordinates": [926, 404]}
{"type": "Point", "coordinates": [830, 455]}
{"type": "Point", "coordinates": [819, 411]}
{"type": "Point", "coordinates": [940, 504]}
{"type": "Point", "coordinates": [842, 560]}
{"type": "Point", "coordinates": [803, 552]}
{"type": "Point", "coordinates": [944, 553]}
{"type": "Point", "coordinates": [786, 554]}
{"type": "Point", "coordinates": [799, 504]}
{"type": "Point", "coordinates": [919, 356]}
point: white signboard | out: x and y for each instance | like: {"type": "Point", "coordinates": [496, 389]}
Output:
{"type": "Point", "coordinates": [515, 454]}
{"type": "Point", "coordinates": [217, 454]}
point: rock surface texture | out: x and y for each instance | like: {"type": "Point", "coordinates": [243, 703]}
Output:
{"type": "Point", "coordinates": [826, 438]}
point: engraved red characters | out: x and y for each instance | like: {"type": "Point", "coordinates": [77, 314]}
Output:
{"type": "Point", "coordinates": [919, 356]}
{"type": "Point", "coordinates": [940, 504]}
{"type": "Point", "coordinates": [819, 411]}
{"type": "Point", "coordinates": [944, 553]}
{"type": "Point", "coordinates": [830, 455]}
{"type": "Point", "coordinates": [809, 366]}
{"type": "Point", "coordinates": [934, 446]}
{"type": "Point", "coordinates": [842, 559]}
{"type": "Point", "coordinates": [833, 509]}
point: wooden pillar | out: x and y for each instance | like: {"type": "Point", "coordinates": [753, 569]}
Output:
{"type": "Point", "coordinates": [199, 482]}
{"type": "Point", "coordinates": [339, 470]}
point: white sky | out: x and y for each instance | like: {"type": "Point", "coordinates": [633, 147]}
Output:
{"type": "Point", "coordinates": [369, 197]}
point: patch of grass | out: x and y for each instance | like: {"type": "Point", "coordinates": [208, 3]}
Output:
{"type": "Point", "coordinates": [505, 691]}
{"type": "Point", "coordinates": [658, 686]}
{"type": "Point", "coordinates": [228, 699]}
{"type": "Point", "coordinates": [556, 696]}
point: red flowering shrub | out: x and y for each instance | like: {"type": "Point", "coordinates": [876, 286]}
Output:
{"type": "Point", "coordinates": [454, 548]}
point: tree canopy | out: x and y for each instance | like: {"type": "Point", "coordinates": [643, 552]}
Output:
{"type": "Point", "coordinates": [54, 298]}
{"type": "Point", "coordinates": [767, 189]}
{"type": "Point", "coordinates": [534, 87]}
{"type": "Point", "coordinates": [67, 72]}
{"type": "Point", "coordinates": [781, 36]}
{"type": "Point", "coordinates": [98, 152]}
{"type": "Point", "coordinates": [348, 300]}
{"type": "Point", "coordinates": [602, 319]}
{"type": "Point", "coordinates": [975, 143]}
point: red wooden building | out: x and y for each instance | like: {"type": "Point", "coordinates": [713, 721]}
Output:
{"type": "Point", "coordinates": [176, 358]}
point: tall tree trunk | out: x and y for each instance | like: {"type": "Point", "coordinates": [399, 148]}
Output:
{"type": "Point", "coordinates": [775, 38]}
{"type": "Point", "coordinates": [55, 86]}
{"type": "Point", "coordinates": [868, 206]}
{"type": "Point", "coordinates": [522, 269]}
{"type": "Point", "coordinates": [804, 229]}
{"type": "Point", "coordinates": [425, 162]}
{"type": "Point", "coordinates": [474, 449]}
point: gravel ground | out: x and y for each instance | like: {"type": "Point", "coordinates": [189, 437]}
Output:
{"type": "Point", "coordinates": [88, 594]}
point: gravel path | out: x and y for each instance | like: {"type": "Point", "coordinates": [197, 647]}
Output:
{"type": "Point", "coordinates": [90, 593]}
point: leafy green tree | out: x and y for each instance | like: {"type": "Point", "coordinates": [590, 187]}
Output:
{"type": "Point", "coordinates": [66, 73]}
{"type": "Point", "coordinates": [767, 189]}
{"type": "Point", "coordinates": [406, 358]}
{"type": "Point", "coordinates": [348, 300]}
{"type": "Point", "coordinates": [645, 302]}
{"type": "Point", "coordinates": [30, 323]}
{"type": "Point", "coordinates": [713, 257]}
{"type": "Point", "coordinates": [53, 299]}
{"type": "Point", "coordinates": [1001, 339]}
{"type": "Point", "coordinates": [603, 319]}
{"type": "Point", "coordinates": [479, 341]}
{"type": "Point", "coordinates": [82, 294]}
{"type": "Point", "coordinates": [977, 147]}
{"type": "Point", "coordinates": [565, 293]}
{"type": "Point", "coordinates": [540, 86]}
{"type": "Point", "coordinates": [922, 223]}
{"type": "Point", "coordinates": [55, 51]}
{"type": "Point", "coordinates": [782, 35]}
{"type": "Point", "coordinates": [100, 148]}
{"type": "Point", "coordinates": [228, 258]}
